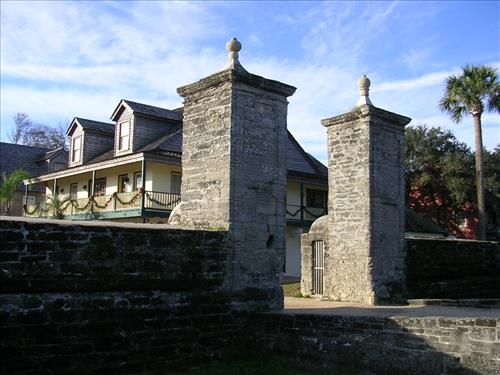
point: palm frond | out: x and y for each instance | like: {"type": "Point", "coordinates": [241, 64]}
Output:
{"type": "Point", "coordinates": [10, 184]}
{"type": "Point", "coordinates": [473, 91]}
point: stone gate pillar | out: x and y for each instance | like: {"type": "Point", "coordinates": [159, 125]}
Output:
{"type": "Point", "coordinates": [366, 201]}
{"type": "Point", "coordinates": [234, 171]}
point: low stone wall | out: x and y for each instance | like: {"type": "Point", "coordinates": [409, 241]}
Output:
{"type": "Point", "coordinates": [374, 345]}
{"type": "Point", "coordinates": [452, 268]}
{"type": "Point", "coordinates": [97, 297]}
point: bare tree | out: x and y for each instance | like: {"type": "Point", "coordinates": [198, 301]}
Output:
{"type": "Point", "coordinates": [29, 133]}
{"type": "Point", "coordinates": [23, 124]}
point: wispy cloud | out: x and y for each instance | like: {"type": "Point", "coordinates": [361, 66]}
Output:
{"type": "Point", "coordinates": [61, 59]}
{"type": "Point", "coordinates": [431, 79]}
{"type": "Point", "coordinates": [93, 53]}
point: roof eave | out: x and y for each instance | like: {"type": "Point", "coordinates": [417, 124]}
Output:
{"type": "Point", "coordinates": [70, 126]}
{"type": "Point", "coordinates": [117, 109]}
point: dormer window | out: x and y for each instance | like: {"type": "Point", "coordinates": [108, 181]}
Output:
{"type": "Point", "coordinates": [123, 141]}
{"type": "Point", "coordinates": [77, 145]}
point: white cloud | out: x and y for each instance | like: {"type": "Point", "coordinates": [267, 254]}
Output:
{"type": "Point", "coordinates": [65, 59]}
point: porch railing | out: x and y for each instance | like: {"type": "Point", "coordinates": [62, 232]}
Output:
{"type": "Point", "coordinates": [303, 213]}
{"type": "Point", "coordinates": [161, 201]}
{"type": "Point", "coordinates": [66, 205]}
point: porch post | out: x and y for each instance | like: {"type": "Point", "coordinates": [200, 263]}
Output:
{"type": "Point", "coordinates": [92, 187]}
{"type": "Point", "coordinates": [143, 196]}
{"type": "Point", "coordinates": [301, 202]}
{"type": "Point", "coordinates": [93, 184]}
{"type": "Point", "coordinates": [54, 187]}
{"type": "Point", "coordinates": [26, 188]}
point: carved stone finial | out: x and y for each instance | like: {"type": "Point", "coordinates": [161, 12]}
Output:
{"type": "Point", "coordinates": [233, 45]}
{"type": "Point", "coordinates": [232, 48]}
{"type": "Point", "coordinates": [364, 89]}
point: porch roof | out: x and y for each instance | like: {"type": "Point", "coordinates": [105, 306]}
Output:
{"type": "Point", "coordinates": [164, 157]}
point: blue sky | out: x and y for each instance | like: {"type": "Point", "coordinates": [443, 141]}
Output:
{"type": "Point", "coordinates": [66, 59]}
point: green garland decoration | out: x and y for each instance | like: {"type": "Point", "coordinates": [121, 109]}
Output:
{"type": "Point", "coordinates": [74, 203]}
{"type": "Point", "coordinates": [90, 204]}
{"type": "Point", "coordinates": [151, 199]}
{"type": "Point", "coordinates": [295, 213]}
{"type": "Point", "coordinates": [130, 201]}
{"type": "Point", "coordinates": [305, 211]}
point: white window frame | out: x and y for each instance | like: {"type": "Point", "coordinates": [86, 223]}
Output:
{"type": "Point", "coordinates": [76, 152]}
{"type": "Point", "coordinates": [123, 146]}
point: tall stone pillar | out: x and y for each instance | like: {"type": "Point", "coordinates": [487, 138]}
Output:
{"type": "Point", "coordinates": [366, 202]}
{"type": "Point", "coordinates": [234, 171]}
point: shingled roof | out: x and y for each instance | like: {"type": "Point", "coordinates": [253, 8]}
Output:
{"type": "Point", "coordinates": [149, 110]}
{"type": "Point", "coordinates": [169, 142]}
{"type": "Point", "coordinates": [13, 157]}
{"type": "Point", "coordinates": [29, 158]}
{"type": "Point", "coordinates": [98, 126]}
{"type": "Point", "coordinates": [300, 162]}
{"type": "Point", "coordinates": [50, 154]}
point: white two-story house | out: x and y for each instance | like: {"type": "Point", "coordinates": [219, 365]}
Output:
{"type": "Point", "coordinates": [131, 170]}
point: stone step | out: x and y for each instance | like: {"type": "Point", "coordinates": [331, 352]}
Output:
{"type": "Point", "coordinates": [485, 303]}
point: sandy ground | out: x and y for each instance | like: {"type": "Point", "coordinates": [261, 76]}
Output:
{"type": "Point", "coordinates": [318, 307]}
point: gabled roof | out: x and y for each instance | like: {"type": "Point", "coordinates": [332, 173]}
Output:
{"type": "Point", "coordinates": [300, 162]}
{"type": "Point", "coordinates": [319, 166]}
{"type": "Point", "coordinates": [92, 125]}
{"type": "Point", "coordinates": [52, 153]}
{"type": "Point", "coordinates": [148, 110]}
{"type": "Point", "coordinates": [13, 157]}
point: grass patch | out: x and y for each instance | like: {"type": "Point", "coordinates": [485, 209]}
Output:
{"type": "Point", "coordinates": [246, 368]}
{"type": "Point", "coordinates": [292, 290]}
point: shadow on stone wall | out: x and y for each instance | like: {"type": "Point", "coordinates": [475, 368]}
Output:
{"type": "Point", "coordinates": [102, 298]}
{"type": "Point", "coordinates": [378, 345]}
{"type": "Point", "coordinates": [439, 268]}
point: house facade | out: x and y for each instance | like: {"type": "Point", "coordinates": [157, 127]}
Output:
{"type": "Point", "coordinates": [130, 170]}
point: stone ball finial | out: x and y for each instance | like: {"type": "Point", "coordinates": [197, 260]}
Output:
{"type": "Point", "coordinates": [232, 48]}
{"type": "Point", "coordinates": [233, 45]}
{"type": "Point", "coordinates": [364, 89]}
{"type": "Point", "coordinates": [364, 83]}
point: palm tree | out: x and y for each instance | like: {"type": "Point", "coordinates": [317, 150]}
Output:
{"type": "Point", "coordinates": [471, 92]}
{"type": "Point", "coordinates": [9, 186]}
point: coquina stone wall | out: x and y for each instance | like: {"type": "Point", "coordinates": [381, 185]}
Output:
{"type": "Point", "coordinates": [375, 345]}
{"type": "Point", "coordinates": [435, 268]}
{"type": "Point", "coordinates": [234, 172]}
{"type": "Point", "coordinates": [108, 298]}
{"type": "Point", "coordinates": [452, 268]}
